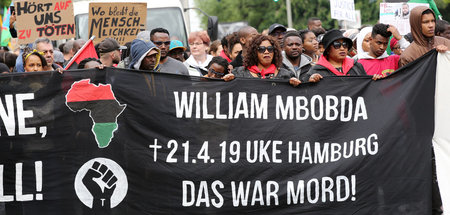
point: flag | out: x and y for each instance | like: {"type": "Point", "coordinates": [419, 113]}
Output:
{"type": "Point", "coordinates": [87, 51]}
{"type": "Point", "coordinates": [5, 34]}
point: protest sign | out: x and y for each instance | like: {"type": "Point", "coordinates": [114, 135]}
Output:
{"type": "Point", "coordinates": [86, 142]}
{"type": "Point", "coordinates": [52, 19]}
{"type": "Point", "coordinates": [343, 10]}
{"type": "Point", "coordinates": [121, 21]}
{"type": "Point", "coordinates": [397, 14]}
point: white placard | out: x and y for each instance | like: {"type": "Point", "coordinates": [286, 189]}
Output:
{"type": "Point", "coordinates": [343, 10]}
{"type": "Point", "coordinates": [397, 14]}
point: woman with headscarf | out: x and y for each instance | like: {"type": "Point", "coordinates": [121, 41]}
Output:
{"type": "Point", "coordinates": [394, 47]}
{"type": "Point", "coordinates": [263, 60]}
{"type": "Point", "coordinates": [334, 60]}
{"type": "Point", "coordinates": [423, 22]}
{"type": "Point", "coordinates": [363, 43]}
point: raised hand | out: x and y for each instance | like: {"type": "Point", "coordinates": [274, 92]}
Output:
{"type": "Point", "coordinates": [101, 183]}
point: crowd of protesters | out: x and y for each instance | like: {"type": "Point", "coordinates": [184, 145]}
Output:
{"type": "Point", "coordinates": [297, 56]}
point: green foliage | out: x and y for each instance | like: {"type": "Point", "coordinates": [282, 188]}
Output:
{"type": "Point", "coordinates": [444, 8]}
{"type": "Point", "coordinates": [370, 12]}
{"type": "Point", "coordinates": [262, 13]}
{"type": "Point", "coordinates": [4, 3]}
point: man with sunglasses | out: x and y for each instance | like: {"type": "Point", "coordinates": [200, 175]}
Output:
{"type": "Point", "coordinates": [161, 38]}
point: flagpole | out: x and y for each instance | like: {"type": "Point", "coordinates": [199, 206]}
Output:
{"type": "Point", "coordinates": [79, 52]}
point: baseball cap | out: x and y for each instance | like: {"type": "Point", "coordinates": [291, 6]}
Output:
{"type": "Point", "coordinates": [176, 44]}
{"type": "Point", "coordinates": [275, 26]}
{"type": "Point", "coordinates": [109, 45]}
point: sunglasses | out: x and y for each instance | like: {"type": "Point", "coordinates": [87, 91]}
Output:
{"type": "Point", "coordinates": [159, 43]}
{"type": "Point", "coordinates": [263, 49]}
{"type": "Point", "coordinates": [217, 73]}
{"type": "Point", "coordinates": [338, 45]}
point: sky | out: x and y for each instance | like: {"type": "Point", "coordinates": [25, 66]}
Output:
{"type": "Point", "coordinates": [195, 18]}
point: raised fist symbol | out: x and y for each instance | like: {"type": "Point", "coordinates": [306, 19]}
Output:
{"type": "Point", "coordinates": [101, 183]}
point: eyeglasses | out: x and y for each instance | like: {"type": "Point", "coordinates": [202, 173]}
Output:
{"type": "Point", "coordinates": [338, 45]}
{"type": "Point", "coordinates": [196, 44]}
{"type": "Point", "coordinates": [263, 49]}
{"type": "Point", "coordinates": [159, 43]}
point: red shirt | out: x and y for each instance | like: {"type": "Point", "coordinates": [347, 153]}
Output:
{"type": "Point", "coordinates": [383, 66]}
{"type": "Point", "coordinates": [222, 54]}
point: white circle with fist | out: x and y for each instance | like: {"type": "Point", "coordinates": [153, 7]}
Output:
{"type": "Point", "coordinates": [101, 182]}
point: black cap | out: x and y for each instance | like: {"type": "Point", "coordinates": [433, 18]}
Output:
{"type": "Point", "coordinates": [275, 26]}
{"type": "Point", "coordinates": [109, 45]}
{"type": "Point", "coordinates": [333, 35]}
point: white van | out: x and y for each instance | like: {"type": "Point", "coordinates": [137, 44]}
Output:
{"type": "Point", "coordinates": [167, 14]}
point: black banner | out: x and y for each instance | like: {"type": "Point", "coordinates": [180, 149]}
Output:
{"type": "Point", "coordinates": [117, 141]}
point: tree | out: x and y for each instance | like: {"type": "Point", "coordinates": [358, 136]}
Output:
{"type": "Point", "coordinates": [4, 3]}
{"type": "Point", "coordinates": [444, 8]}
{"type": "Point", "coordinates": [262, 13]}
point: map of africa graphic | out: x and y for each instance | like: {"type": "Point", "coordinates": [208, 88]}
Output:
{"type": "Point", "coordinates": [102, 106]}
